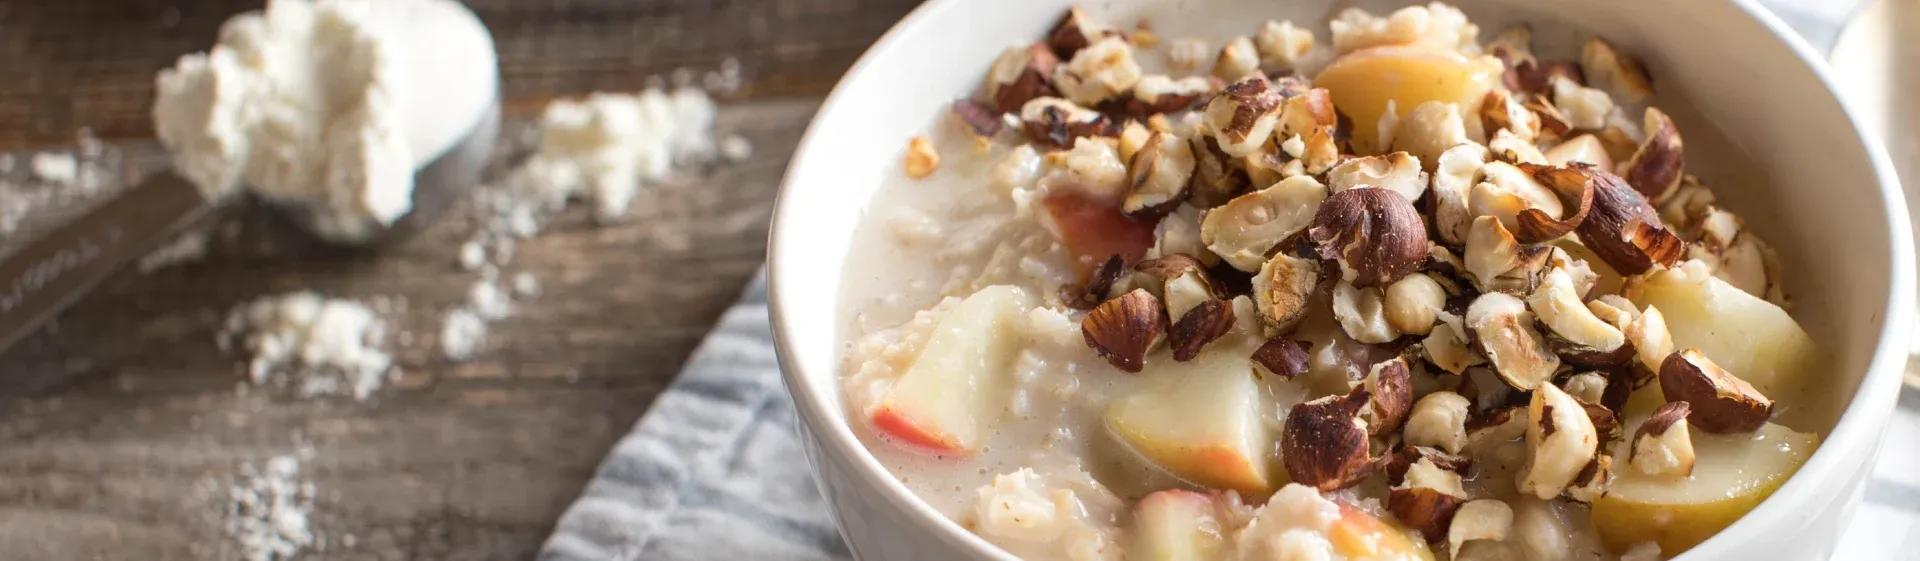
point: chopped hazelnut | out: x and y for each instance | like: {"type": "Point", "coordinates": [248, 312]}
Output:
{"type": "Point", "coordinates": [1055, 123]}
{"type": "Point", "coordinates": [1282, 289]}
{"type": "Point", "coordinates": [1215, 179]}
{"type": "Point", "coordinates": [1512, 148]}
{"type": "Point", "coordinates": [1561, 441]}
{"type": "Point", "coordinates": [1504, 329]}
{"type": "Point", "coordinates": [1398, 171]}
{"type": "Point", "coordinates": [1439, 420]}
{"type": "Point", "coordinates": [1282, 357]}
{"type": "Point", "coordinates": [1559, 307]}
{"type": "Point", "coordinates": [1584, 149]}
{"type": "Point", "coordinates": [1375, 234]}
{"type": "Point", "coordinates": [1617, 73]}
{"type": "Point", "coordinates": [1282, 46]}
{"type": "Point", "coordinates": [978, 120]}
{"type": "Point", "coordinates": [1090, 295]}
{"type": "Point", "coordinates": [1662, 445]}
{"type": "Point", "coordinates": [1020, 75]}
{"type": "Point", "coordinates": [1389, 386]}
{"type": "Point", "coordinates": [1198, 326]}
{"type": "Point", "coordinates": [1481, 519]}
{"type": "Point", "coordinates": [1362, 313]}
{"type": "Point", "coordinates": [1324, 442]}
{"type": "Point", "coordinates": [1311, 117]}
{"type": "Point", "coordinates": [1737, 255]}
{"type": "Point", "coordinates": [1427, 498]}
{"type": "Point", "coordinates": [1184, 280]}
{"type": "Point", "coordinates": [1585, 108]}
{"type": "Point", "coordinates": [1155, 94]}
{"type": "Point", "coordinates": [1502, 110]}
{"type": "Point", "coordinates": [1429, 129]}
{"type": "Point", "coordinates": [1159, 175]}
{"type": "Point", "coordinates": [1243, 116]}
{"type": "Point", "coordinates": [922, 159]}
{"type": "Point", "coordinates": [1656, 167]}
{"type": "Point", "coordinates": [1575, 193]}
{"type": "Point", "coordinates": [1446, 346]}
{"type": "Point", "coordinates": [1591, 483]}
{"type": "Point", "coordinates": [1453, 181]}
{"type": "Point", "coordinates": [1242, 230]}
{"type": "Point", "coordinates": [1076, 31]}
{"type": "Point", "coordinates": [1651, 341]}
{"type": "Point", "coordinates": [1500, 425]}
{"type": "Point", "coordinates": [1414, 303]}
{"type": "Point", "coordinates": [1123, 330]}
{"type": "Point", "coordinates": [1588, 387]}
{"type": "Point", "coordinates": [1187, 54]}
{"type": "Point", "coordinates": [1721, 403]}
{"type": "Point", "coordinates": [1506, 190]}
{"type": "Point", "coordinates": [1491, 251]}
{"type": "Point", "coordinates": [1102, 71]}
{"type": "Point", "coordinates": [1237, 60]}
{"type": "Point", "coordinates": [1623, 229]}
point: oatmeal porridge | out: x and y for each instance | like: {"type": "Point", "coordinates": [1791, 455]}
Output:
{"type": "Point", "coordinates": [1388, 288]}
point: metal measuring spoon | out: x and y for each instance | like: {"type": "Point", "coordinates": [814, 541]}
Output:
{"type": "Point", "coordinates": [54, 271]}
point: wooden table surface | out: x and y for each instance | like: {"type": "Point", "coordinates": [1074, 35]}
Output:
{"type": "Point", "coordinates": [122, 426]}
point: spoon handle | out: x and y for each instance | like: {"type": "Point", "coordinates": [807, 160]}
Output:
{"type": "Point", "coordinates": [46, 276]}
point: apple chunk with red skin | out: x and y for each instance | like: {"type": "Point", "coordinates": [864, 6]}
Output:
{"type": "Point", "coordinates": [1202, 420]}
{"type": "Point", "coordinates": [1178, 525]}
{"type": "Point", "coordinates": [1093, 230]}
{"type": "Point", "coordinates": [954, 391]}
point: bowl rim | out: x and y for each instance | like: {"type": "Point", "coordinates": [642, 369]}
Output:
{"type": "Point", "coordinates": [1863, 417]}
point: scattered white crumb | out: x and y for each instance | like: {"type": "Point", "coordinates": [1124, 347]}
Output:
{"type": "Point", "coordinates": [188, 247]}
{"type": "Point", "coordinates": [55, 167]}
{"type": "Point", "coordinates": [602, 147]}
{"type": "Point", "coordinates": [735, 148]}
{"type": "Point", "coordinates": [472, 255]}
{"type": "Point", "coordinates": [725, 80]}
{"type": "Point", "coordinates": [489, 301]}
{"type": "Point", "coordinates": [313, 345]}
{"type": "Point", "coordinates": [524, 284]}
{"type": "Point", "coordinates": [268, 509]}
{"type": "Point", "coordinates": [463, 334]}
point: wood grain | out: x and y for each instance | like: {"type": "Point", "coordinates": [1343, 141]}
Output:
{"type": "Point", "coordinates": [122, 426]}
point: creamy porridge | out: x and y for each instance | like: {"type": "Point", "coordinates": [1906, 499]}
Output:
{"type": "Point", "coordinates": [1390, 289]}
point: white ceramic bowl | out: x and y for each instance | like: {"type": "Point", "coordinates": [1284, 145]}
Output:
{"type": "Point", "coordinates": [1831, 206]}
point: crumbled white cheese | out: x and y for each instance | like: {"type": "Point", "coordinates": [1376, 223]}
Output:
{"type": "Point", "coordinates": [187, 247]}
{"type": "Point", "coordinates": [55, 167]}
{"type": "Point", "coordinates": [310, 344]}
{"type": "Point", "coordinates": [526, 285]}
{"type": "Point", "coordinates": [472, 255]}
{"type": "Point", "coordinates": [735, 148]}
{"type": "Point", "coordinates": [329, 104]}
{"type": "Point", "coordinates": [267, 510]}
{"type": "Point", "coordinates": [489, 301]}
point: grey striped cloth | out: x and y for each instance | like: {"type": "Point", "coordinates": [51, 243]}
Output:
{"type": "Point", "coordinates": [714, 471]}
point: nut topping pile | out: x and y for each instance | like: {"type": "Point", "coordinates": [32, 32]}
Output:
{"type": "Point", "coordinates": [1488, 252]}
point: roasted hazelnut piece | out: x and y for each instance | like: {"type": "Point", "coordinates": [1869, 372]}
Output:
{"type": "Point", "coordinates": [1623, 229]}
{"type": "Point", "coordinates": [1613, 71]}
{"type": "Point", "coordinates": [1662, 445]}
{"type": "Point", "coordinates": [1090, 295]}
{"type": "Point", "coordinates": [1242, 230]}
{"type": "Point", "coordinates": [1721, 403]}
{"type": "Point", "coordinates": [1362, 313]}
{"type": "Point", "coordinates": [1198, 326]}
{"type": "Point", "coordinates": [1592, 481]}
{"type": "Point", "coordinates": [1076, 31]}
{"type": "Point", "coordinates": [1282, 357]}
{"type": "Point", "coordinates": [1123, 330]}
{"type": "Point", "coordinates": [1439, 420]}
{"type": "Point", "coordinates": [921, 158]}
{"type": "Point", "coordinates": [978, 120]}
{"type": "Point", "coordinates": [1238, 59]}
{"type": "Point", "coordinates": [1558, 306]}
{"type": "Point", "coordinates": [1506, 191]}
{"type": "Point", "coordinates": [1282, 289]}
{"type": "Point", "coordinates": [1588, 387]}
{"type": "Point", "coordinates": [1481, 519]}
{"type": "Point", "coordinates": [1055, 123]}
{"type": "Point", "coordinates": [1513, 45]}
{"type": "Point", "coordinates": [1657, 166]}
{"type": "Point", "coordinates": [1509, 147]}
{"type": "Point", "coordinates": [1453, 180]}
{"type": "Point", "coordinates": [1157, 94]}
{"type": "Point", "coordinates": [1159, 176]}
{"type": "Point", "coordinates": [1606, 424]}
{"type": "Point", "coordinates": [1446, 346]}
{"type": "Point", "coordinates": [1102, 71]}
{"type": "Point", "coordinates": [1553, 122]}
{"type": "Point", "coordinates": [1282, 46]}
{"type": "Point", "coordinates": [1375, 234]}
{"type": "Point", "coordinates": [1537, 77]}
{"type": "Point", "coordinates": [1491, 252]}
{"type": "Point", "coordinates": [1576, 200]}
{"type": "Point", "coordinates": [1428, 130]}
{"type": "Point", "coordinates": [1502, 110]}
{"type": "Point", "coordinates": [1324, 443]}
{"type": "Point", "coordinates": [1311, 118]}
{"type": "Point", "coordinates": [1585, 108]}
{"type": "Point", "coordinates": [1243, 116]}
{"type": "Point", "coordinates": [1414, 303]}
{"type": "Point", "coordinates": [1737, 255]}
{"type": "Point", "coordinates": [1652, 343]}
{"type": "Point", "coordinates": [1389, 386]}
{"type": "Point", "coordinates": [1020, 75]}
{"type": "Point", "coordinates": [1585, 150]}
{"type": "Point", "coordinates": [1503, 327]}
{"type": "Point", "coordinates": [1215, 177]}
{"type": "Point", "coordinates": [1399, 172]}
{"type": "Point", "coordinates": [1185, 281]}
{"type": "Point", "coordinates": [1427, 499]}
{"type": "Point", "coordinates": [1500, 425]}
{"type": "Point", "coordinates": [1560, 442]}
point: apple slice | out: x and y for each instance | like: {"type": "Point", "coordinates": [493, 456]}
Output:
{"type": "Point", "coordinates": [1203, 420]}
{"type": "Point", "coordinates": [1093, 230]}
{"type": "Point", "coordinates": [1363, 81]}
{"type": "Point", "coordinates": [957, 387]}
{"type": "Point", "coordinates": [1749, 336]}
{"type": "Point", "coordinates": [1178, 525]}
{"type": "Point", "coordinates": [1361, 535]}
{"type": "Point", "coordinates": [1732, 474]}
